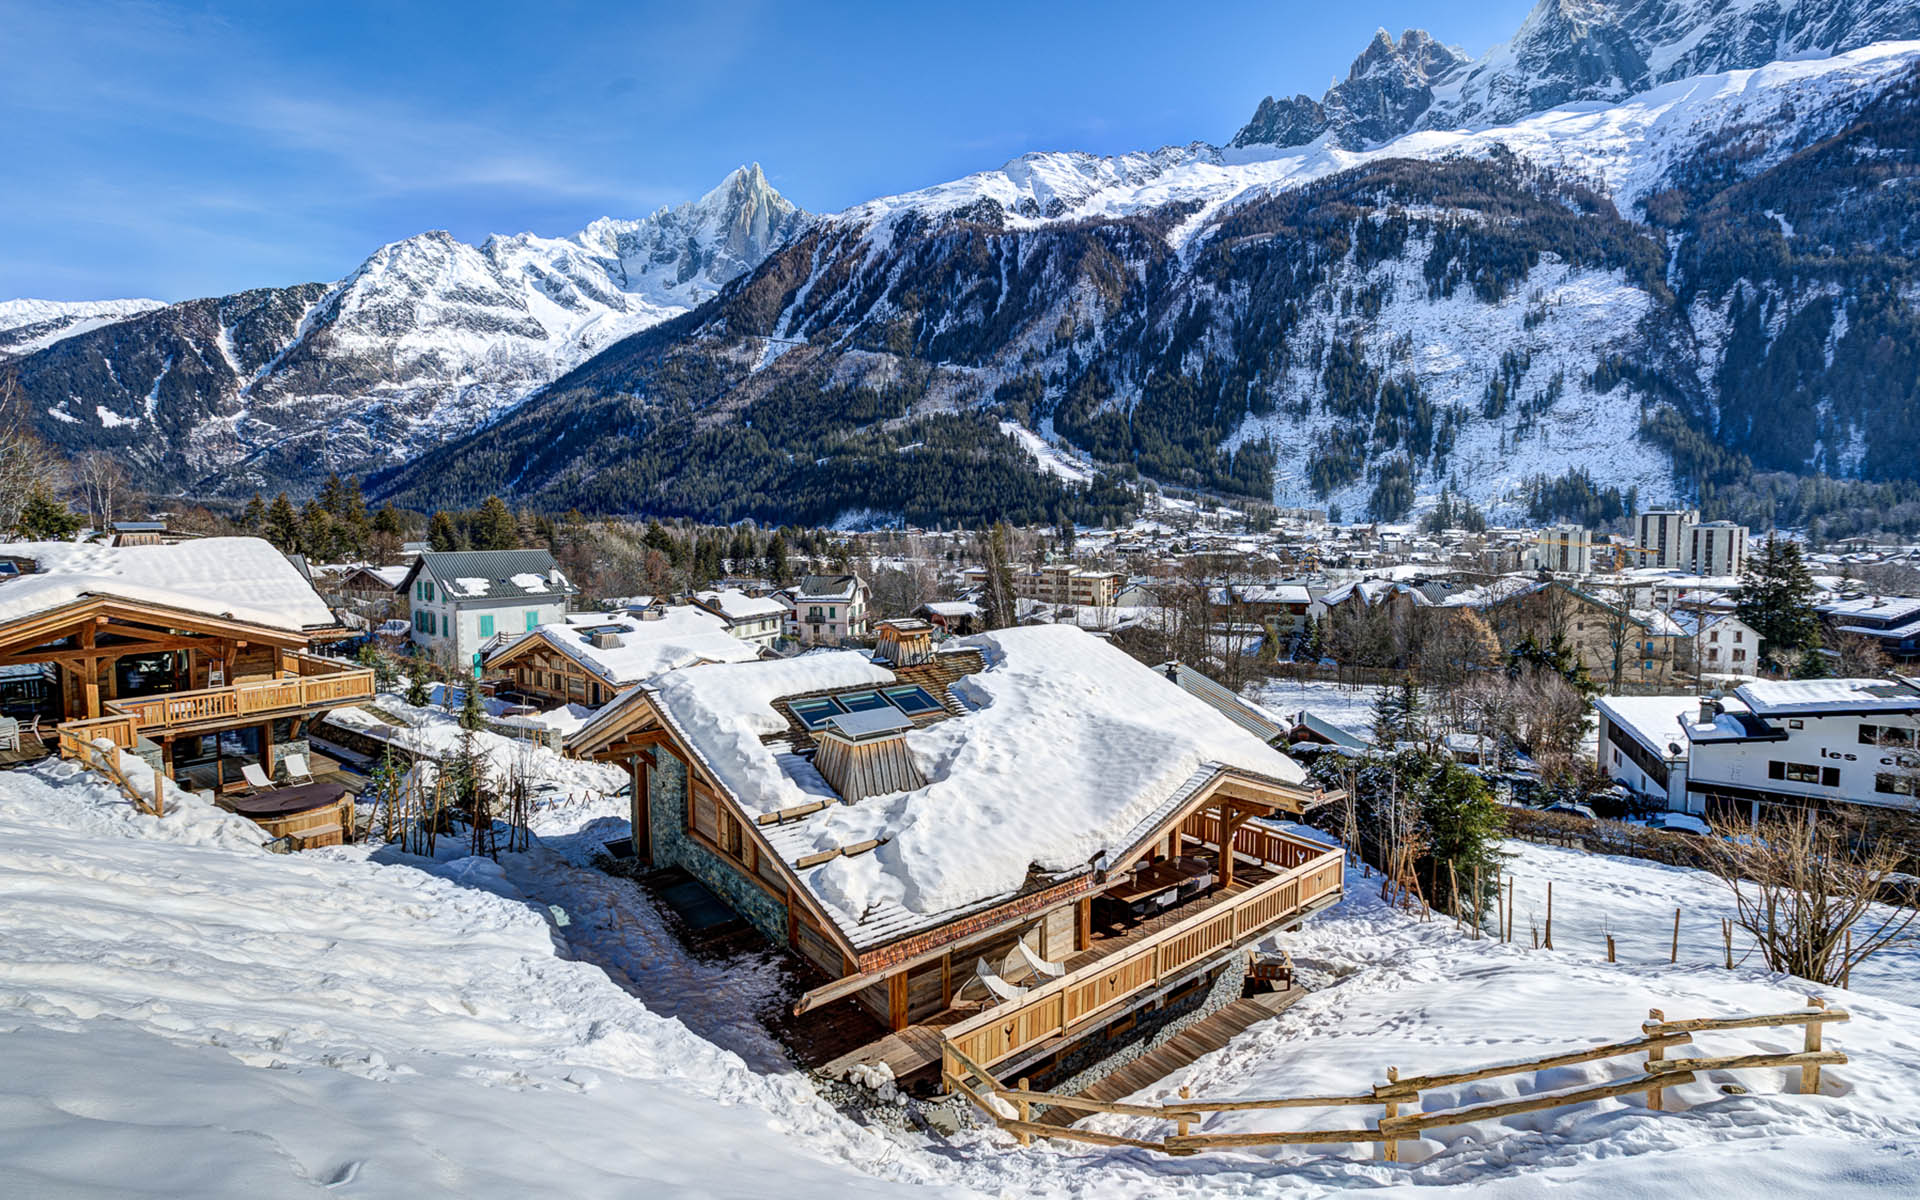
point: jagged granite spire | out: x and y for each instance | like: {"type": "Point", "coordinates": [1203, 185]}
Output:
{"type": "Point", "coordinates": [1385, 91]}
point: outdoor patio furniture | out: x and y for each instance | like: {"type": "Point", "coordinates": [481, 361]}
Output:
{"type": "Point", "coordinates": [297, 769]}
{"type": "Point", "coordinates": [9, 734]}
{"type": "Point", "coordinates": [256, 778]}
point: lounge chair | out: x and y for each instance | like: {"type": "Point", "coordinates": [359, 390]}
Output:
{"type": "Point", "coordinates": [9, 734]}
{"type": "Point", "coordinates": [297, 769]}
{"type": "Point", "coordinates": [257, 779]}
{"type": "Point", "coordinates": [1041, 968]}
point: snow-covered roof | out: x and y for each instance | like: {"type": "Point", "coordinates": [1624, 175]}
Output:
{"type": "Point", "coordinates": [1067, 744]}
{"type": "Point", "coordinates": [1787, 697]}
{"type": "Point", "coordinates": [235, 578]}
{"type": "Point", "coordinates": [1656, 722]}
{"type": "Point", "coordinates": [1884, 609]}
{"type": "Point", "coordinates": [736, 605]}
{"type": "Point", "coordinates": [681, 637]}
{"type": "Point", "coordinates": [951, 609]}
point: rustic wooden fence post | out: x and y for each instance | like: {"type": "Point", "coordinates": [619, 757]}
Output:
{"type": "Point", "coordinates": [1025, 1108]}
{"type": "Point", "coordinates": [1810, 1074]}
{"type": "Point", "coordinates": [1184, 1126]}
{"type": "Point", "coordinates": [1674, 957]}
{"type": "Point", "coordinates": [1549, 914]}
{"type": "Point", "coordinates": [1390, 1149]}
{"type": "Point", "coordinates": [1654, 1055]}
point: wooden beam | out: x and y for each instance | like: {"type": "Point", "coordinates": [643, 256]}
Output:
{"type": "Point", "coordinates": [897, 1001]}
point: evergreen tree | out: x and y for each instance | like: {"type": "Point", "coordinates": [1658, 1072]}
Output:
{"type": "Point", "coordinates": [472, 714]}
{"type": "Point", "coordinates": [45, 518]}
{"type": "Point", "coordinates": [1775, 597]}
{"type": "Point", "coordinates": [316, 531]}
{"type": "Point", "coordinates": [283, 524]}
{"type": "Point", "coordinates": [442, 534]}
{"type": "Point", "coordinates": [418, 693]}
{"type": "Point", "coordinates": [495, 528]}
{"type": "Point", "coordinates": [255, 514]}
{"type": "Point", "coordinates": [777, 569]}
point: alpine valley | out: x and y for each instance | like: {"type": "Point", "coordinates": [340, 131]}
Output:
{"type": "Point", "coordinates": [1650, 248]}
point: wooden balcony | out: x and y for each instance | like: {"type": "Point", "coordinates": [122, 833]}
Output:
{"type": "Point", "coordinates": [1092, 991]}
{"type": "Point", "coordinates": [305, 683]}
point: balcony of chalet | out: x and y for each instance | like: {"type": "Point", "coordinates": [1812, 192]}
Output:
{"type": "Point", "coordinates": [1175, 917]}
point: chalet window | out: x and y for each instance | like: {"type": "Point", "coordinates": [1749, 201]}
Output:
{"type": "Point", "coordinates": [1741, 656]}
{"type": "Point", "coordinates": [730, 838]}
{"type": "Point", "coordinates": [1714, 636]}
{"type": "Point", "coordinates": [445, 625]}
{"type": "Point", "coordinates": [703, 813]}
{"type": "Point", "coordinates": [533, 620]}
{"type": "Point", "coordinates": [1895, 785]}
{"type": "Point", "coordinates": [1793, 772]}
{"type": "Point", "coordinates": [1885, 735]}
{"type": "Point", "coordinates": [1738, 636]}
{"type": "Point", "coordinates": [486, 625]}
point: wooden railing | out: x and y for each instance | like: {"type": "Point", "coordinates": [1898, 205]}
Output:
{"type": "Point", "coordinates": [1066, 1004]}
{"type": "Point", "coordinates": [320, 683]}
{"type": "Point", "coordinates": [1011, 1108]}
{"type": "Point", "coordinates": [81, 741]}
{"type": "Point", "coordinates": [1271, 847]}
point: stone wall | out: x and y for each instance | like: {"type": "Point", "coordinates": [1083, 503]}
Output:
{"type": "Point", "coordinates": [1095, 1059]}
{"type": "Point", "coordinates": [673, 846]}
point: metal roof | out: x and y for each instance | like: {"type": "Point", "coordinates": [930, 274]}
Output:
{"type": "Point", "coordinates": [497, 567]}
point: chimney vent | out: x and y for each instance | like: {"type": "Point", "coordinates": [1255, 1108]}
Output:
{"type": "Point", "coordinates": [605, 639]}
{"type": "Point", "coordinates": [904, 641]}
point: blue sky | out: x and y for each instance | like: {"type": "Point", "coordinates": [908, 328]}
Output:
{"type": "Point", "coordinates": [180, 150]}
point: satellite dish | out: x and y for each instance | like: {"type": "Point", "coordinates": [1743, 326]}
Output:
{"type": "Point", "coordinates": [1673, 747]}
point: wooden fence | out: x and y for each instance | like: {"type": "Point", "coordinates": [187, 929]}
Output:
{"type": "Point", "coordinates": [1064, 1005]}
{"type": "Point", "coordinates": [80, 741]}
{"type": "Point", "coordinates": [1399, 1098]}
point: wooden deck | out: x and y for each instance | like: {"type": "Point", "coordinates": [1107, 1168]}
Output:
{"type": "Point", "coordinates": [31, 750]}
{"type": "Point", "coordinates": [917, 1047]}
{"type": "Point", "coordinates": [1203, 1037]}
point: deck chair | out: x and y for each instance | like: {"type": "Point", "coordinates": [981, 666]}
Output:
{"type": "Point", "coordinates": [1041, 968]}
{"type": "Point", "coordinates": [256, 778]}
{"type": "Point", "coordinates": [9, 734]}
{"type": "Point", "coordinates": [297, 769]}
{"type": "Point", "coordinates": [991, 988]}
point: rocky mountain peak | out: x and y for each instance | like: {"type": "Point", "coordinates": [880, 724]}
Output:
{"type": "Point", "coordinates": [1567, 51]}
{"type": "Point", "coordinates": [1389, 85]}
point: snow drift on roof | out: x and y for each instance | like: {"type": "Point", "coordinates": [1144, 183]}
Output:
{"type": "Point", "coordinates": [681, 637]}
{"type": "Point", "coordinates": [1071, 742]}
{"type": "Point", "coordinates": [238, 578]}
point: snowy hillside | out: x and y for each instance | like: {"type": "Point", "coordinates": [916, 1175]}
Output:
{"type": "Point", "coordinates": [29, 325]}
{"type": "Point", "coordinates": [185, 1015]}
{"type": "Point", "coordinates": [428, 339]}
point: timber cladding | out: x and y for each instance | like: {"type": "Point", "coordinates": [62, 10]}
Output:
{"type": "Point", "coordinates": [898, 952]}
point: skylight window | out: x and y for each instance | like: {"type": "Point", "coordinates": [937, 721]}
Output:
{"type": "Point", "coordinates": [861, 701]}
{"type": "Point", "coordinates": [912, 700]}
{"type": "Point", "coordinates": [815, 713]}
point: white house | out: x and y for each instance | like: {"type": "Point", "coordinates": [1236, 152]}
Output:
{"type": "Point", "coordinates": [1817, 742]}
{"type": "Point", "coordinates": [755, 619]}
{"type": "Point", "coordinates": [461, 600]}
{"type": "Point", "coordinates": [1722, 644]}
{"type": "Point", "coordinates": [828, 610]}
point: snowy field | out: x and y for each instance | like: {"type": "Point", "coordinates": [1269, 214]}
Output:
{"type": "Point", "coordinates": [183, 1015]}
{"type": "Point", "coordinates": [1420, 997]}
{"type": "Point", "coordinates": [1345, 706]}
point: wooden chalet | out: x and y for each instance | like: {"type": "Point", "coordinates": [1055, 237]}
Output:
{"type": "Point", "coordinates": [592, 657]}
{"type": "Point", "coordinates": [187, 653]}
{"type": "Point", "coordinates": [996, 909]}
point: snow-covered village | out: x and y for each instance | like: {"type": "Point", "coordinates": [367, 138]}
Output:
{"type": "Point", "coordinates": [1374, 647]}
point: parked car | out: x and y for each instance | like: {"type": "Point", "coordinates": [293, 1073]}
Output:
{"type": "Point", "coordinates": [1572, 810]}
{"type": "Point", "coordinates": [1679, 822]}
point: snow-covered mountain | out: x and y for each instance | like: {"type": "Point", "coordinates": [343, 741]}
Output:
{"type": "Point", "coordinates": [1595, 287]}
{"type": "Point", "coordinates": [29, 325]}
{"type": "Point", "coordinates": [1567, 51]}
{"type": "Point", "coordinates": [428, 339]}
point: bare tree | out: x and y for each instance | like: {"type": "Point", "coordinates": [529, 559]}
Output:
{"type": "Point", "coordinates": [102, 486]}
{"type": "Point", "coordinates": [1804, 888]}
{"type": "Point", "coordinates": [26, 465]}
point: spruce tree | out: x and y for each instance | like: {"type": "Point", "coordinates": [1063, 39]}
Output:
{"type": "Point", "coordinates": [45, 518]}
{"type": "Point", "coordinates": [283, 524]}
{"type": "Point", "coordinates": [442, 534]}
{"type": "Point", "coordinates": [777, 569]}
{"type": "Point", "coordinates": [495, 527]}
{"type": "Point", "coordinates": [1775, 598]}
{"type": "Point", "coordinates": [255, 514]}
